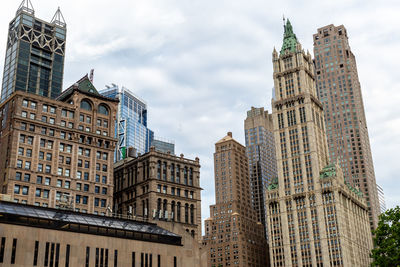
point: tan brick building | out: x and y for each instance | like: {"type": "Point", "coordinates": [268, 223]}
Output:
{"type": "Point", "coordinates": [233, 235]}
{"type": "Point", "coordinates": [58, 149]}
{"type": "Point", "coordinates": [160, 187]}
{"type": "Point", "coordinates": [339, 90]}
{"type": "Point", "coordinates": [314, 217]}
{"type": "Point", "coordinates": [39, 236]}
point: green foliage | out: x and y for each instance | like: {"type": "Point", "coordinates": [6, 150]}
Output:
{"type": "Point", "coordinates": [387, 239]}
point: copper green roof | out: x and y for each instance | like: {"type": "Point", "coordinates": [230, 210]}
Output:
{"type": "Point", "coordinates": [328, 171]}
{"type": "Point", "coordinates": [289, 38]}
{"type": "Point", "coordinates": [84, 85]}
{"type": "Point", "coordinates": [274, 184]}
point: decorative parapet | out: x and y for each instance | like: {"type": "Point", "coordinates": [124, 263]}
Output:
{"type": "Point", "coordinates": [328, 171]}
{"type": "Point", "coordinates": [274, 184]}
{"type": "Point", "coordinates": [353, 189]}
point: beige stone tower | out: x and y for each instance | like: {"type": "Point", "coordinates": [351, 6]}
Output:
{"type": "Point", "coordinates": [314, 218]}
{"type": "Point", "coordinates": [233, 236]}
{"type": "Point", "coordinates": [339, 91]}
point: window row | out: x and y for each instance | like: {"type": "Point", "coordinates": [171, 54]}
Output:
{"type": "Point", "coordinates": [174, 191]}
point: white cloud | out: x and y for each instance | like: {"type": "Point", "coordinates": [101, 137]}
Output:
{"type": "Point", "coordinates": [200, 65]}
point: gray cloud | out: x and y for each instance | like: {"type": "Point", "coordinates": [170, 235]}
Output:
{"type": "Point", "coordinates": [200, 65]}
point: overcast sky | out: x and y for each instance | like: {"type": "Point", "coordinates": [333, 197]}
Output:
{"type": "Point", "coordinates": [200, 65]}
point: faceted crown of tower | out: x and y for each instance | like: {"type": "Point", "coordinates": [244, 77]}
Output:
{"type": "Point", "coordinates": [289, 38]}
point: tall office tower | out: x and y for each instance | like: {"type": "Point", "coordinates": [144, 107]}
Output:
{"type": "Point", "coordinates": [131, 125]}
{"type": "Point", "coordinates": [56, 150]}
{"type": "Point", "coordinates": [260, 148]}
{"type": "Point", "coordinates": [161, 188]}
{"type": "Point", "coordinates": [233, 236]}
{"type": "Point", "coordinates": [314, 217]}
{"type": "Point", "coordinates": [339, 91]}
{"type": "Point", "coordinates": [35, 51]}
{"type": "Point", "coordinates": [381, 195]}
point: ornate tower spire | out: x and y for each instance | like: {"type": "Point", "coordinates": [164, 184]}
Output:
{"type": "Point", "coordinates": [289, 38]}
{"type": "Point", "coordinates": [26, 6]}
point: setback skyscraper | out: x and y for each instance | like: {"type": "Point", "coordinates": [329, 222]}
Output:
{"type": "Point", "coordinates": [131, 128]}
{"type": "Point", "coordinates": [260, 148]}
{"type": "Point", "coordinates": [314, 217]}
{"type": "Point", "coordinates": [339, 91]}
{"type": "Point", "coordinates": [35, 52]}
{"type": "Point", "coordinates": [233, 236]}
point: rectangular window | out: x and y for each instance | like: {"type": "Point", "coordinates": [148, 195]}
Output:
{"type": "Point", "coordinates": [87, 256]}
{"type": "Point", "coordinates": [115, 258]}
{"type": "Point", "coordinates": [14, 251]}
{"type": "Point", "coordinates": [106, 258]}
{"type": "Point", "coordinates": [175, 261]}
{"type": "Point", "coordinates": [141, 260]}
{"type": "Point", "coordinates": [159, 260]}
{"type": "Point", "coordinates": [151, 260]}
{"type": "Point", "coordinates": [35, 253]}
{"type": "Point", "coordinates": [57, 255]}
{"type": "Point", "coordinates": [46, 255]}
{"type": "Point", "coordinates": [3, 244]}
{"type": "Point", "coordinates": [67, 256]}
{"type": "Point", "coordinates": [133, 259]}
{"type": "Point", "coordinates": [52, 255]}
{"type": "Point", "coordinates": [97, 258]}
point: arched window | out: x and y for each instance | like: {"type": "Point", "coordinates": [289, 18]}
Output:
{"type": "Point", "coordinates": [186, 213]}
{"type": "Point", "coordinates": [158, 208]}
{"type": "Point", "coordinates": [86, 105]}
{"type": "Point", "coordinates": [178, 211]}
{"type": "Point", "coordinates": [164, 215]}
{"type": "Point", "coordinates": [191, 214]}
{"type": "Point", "coordinates": [173, 210]}
{"type": "Point", "coordinates": [103, 109]}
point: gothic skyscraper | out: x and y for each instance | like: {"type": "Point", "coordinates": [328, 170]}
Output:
{"type": "Point", "coordinates": [35, 51]}
{"type": "Point", "coordinates": [314, 217]}
{"type": "Point", "coordinates": [339, 91]}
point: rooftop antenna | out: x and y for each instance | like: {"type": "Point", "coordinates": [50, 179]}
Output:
{"type": "Point", "coordinates": [58, 18]}
{"type": "Point", "coordinates": [91, 75]}
{"type": "Point", "coordinates": [26, 6]}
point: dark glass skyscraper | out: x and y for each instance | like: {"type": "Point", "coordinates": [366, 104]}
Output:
{"type": "Point", "coordinates": [260, 149]}
{"type": "Point", "coordinates": [35, 51]}
{"type": "Point", "coordinates": [131, 130]}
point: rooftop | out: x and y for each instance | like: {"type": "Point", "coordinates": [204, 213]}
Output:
{"type": "Point", "coordinates": [66, 220]}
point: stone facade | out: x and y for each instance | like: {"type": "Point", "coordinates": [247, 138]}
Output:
{"type": "Point", "coordinates": [59, 152]}
{"type": "Point", "coordinates": [314, 217]}
{"type": "Point", "coordinates": [233, 235]}
{"type": "Point", "coordinates": [339, 90]}
{"type": "Point", "coordinates": [58, 242]}
{"type": "Point", "coordinates": [158, 187]}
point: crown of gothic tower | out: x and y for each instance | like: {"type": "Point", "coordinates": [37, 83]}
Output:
{"type": "Point", "coordinates": [289, 38]}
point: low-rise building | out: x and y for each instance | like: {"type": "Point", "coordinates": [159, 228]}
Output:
{"type": "Point", "coordinates": [39, 236]}
{"type": "Point", "coordinates": [160, 187]}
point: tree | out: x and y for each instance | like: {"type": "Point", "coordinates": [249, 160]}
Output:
{"type": "Point", "coordinates": [387, 239]}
